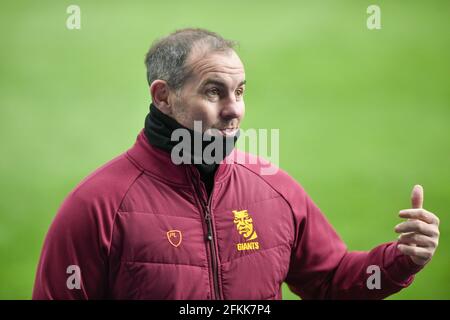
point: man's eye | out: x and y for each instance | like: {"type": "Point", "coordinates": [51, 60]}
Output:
{"type": "Point", "coordinates": [213, 92]}
{"type": "Point", "coordinates": [239, 92]}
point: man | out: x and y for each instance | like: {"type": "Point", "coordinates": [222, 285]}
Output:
{"type": "Point", "coordinates": [145, 226]}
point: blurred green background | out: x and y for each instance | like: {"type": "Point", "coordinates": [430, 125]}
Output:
{"type": "Point", "coordinates": [363, 114]}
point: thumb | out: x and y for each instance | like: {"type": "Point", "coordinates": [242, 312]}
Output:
{"type": "Point", "coordinates": [417, 197]}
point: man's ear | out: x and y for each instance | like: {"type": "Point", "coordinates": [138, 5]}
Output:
{"type": "Point", "coordinates": [159, 89]}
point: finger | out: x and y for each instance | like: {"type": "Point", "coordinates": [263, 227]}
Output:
{"type": "Point", "coordinates": [417, 226]}
{"type": "Point", "coordinates": [420, 214]}
{"type": "Point", "coordinates": [417, 239]}
{"type": "Point", "coordinates": [419, 252]}
{"type": "Point", "coordinates": [417, 197]}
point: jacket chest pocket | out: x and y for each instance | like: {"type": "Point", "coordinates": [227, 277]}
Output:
{"type": "Point", "coordinates": [157, 256]}
{"type": "Point", "coordinates": [157, 238]}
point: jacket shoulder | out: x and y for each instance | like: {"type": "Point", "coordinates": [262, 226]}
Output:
{"type": "Point", "coordinates": [110, 181]}
{"type": "Point", "coordinates": [97, 197]}
{"type": "Point", "coordinates": [262, 169]}
{"type": "Point", "coordinates": [91, 206]}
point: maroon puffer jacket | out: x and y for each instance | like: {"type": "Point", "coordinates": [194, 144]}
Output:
{"type": "Point", "coordinates": [141, 227]}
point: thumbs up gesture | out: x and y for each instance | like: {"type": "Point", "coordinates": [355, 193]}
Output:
{"type": "Point", "coordinates": [419, 235]}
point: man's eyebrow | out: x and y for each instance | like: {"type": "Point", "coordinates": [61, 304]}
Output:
{"type": "Point", "coordinates": [220, 83]}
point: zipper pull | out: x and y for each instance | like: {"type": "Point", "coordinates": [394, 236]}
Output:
{"type": "Point", "coordinates": [209, 225]}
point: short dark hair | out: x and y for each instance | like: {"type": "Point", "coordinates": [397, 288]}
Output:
{"type": "Point", "coordinates": [166, 57]}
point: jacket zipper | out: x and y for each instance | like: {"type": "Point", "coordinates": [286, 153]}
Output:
{"type": "Point", "coordinates": [210, 238]}
{"type": "Point", "coordinates": [212, 245]}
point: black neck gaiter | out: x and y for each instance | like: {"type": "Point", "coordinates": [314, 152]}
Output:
{"type": "Point", "coordinates": [158, 129]}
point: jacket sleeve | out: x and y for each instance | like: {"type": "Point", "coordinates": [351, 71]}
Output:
{"type": "Point", "coordinates": [73, 262]}
{"type": "Point", "coordinates": [322, 268]}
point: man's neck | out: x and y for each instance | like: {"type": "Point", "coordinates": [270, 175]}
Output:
{"type": "Point", "coordinates": [158, 129]}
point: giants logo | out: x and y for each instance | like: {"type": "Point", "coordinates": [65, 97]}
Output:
{"type": "Point", "coordinates": [244, 225]}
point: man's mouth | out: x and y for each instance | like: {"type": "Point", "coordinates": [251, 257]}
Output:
{"type": "Point", "coordinates": [228, 131]}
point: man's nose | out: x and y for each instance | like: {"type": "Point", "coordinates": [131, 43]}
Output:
{"type": "Point", "coordinates": [232, 109]}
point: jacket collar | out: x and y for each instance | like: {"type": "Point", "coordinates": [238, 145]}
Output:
{"type": "Point", "coordinates": [157, 162]}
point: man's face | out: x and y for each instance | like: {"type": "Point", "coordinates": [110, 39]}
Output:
{"type": "Point", "coordinates": [213, 93]}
